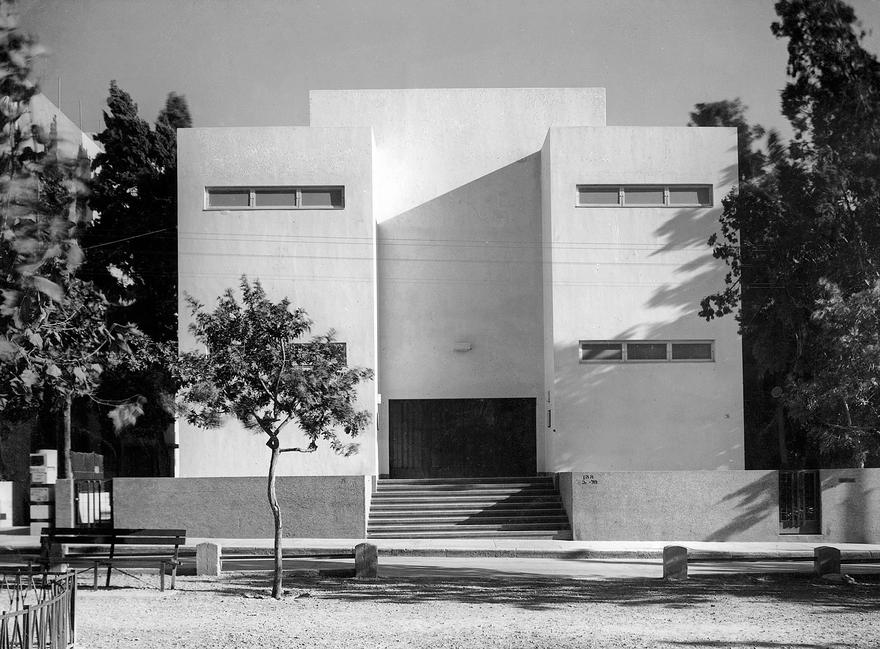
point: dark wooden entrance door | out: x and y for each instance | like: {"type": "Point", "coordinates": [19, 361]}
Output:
{"type": "Point", "coordinates": [461, 438]}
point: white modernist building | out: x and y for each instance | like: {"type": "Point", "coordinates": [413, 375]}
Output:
{"type": "Point", "coordinates": [522, 279]}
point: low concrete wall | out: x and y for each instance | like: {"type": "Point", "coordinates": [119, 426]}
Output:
{"type": "Point", "coordinates": [311, 506]}
{"type": "Point", "coordinates": [672, 505]}
{"type": "Point", "coordinates": [851, 505]}
{"type": "Point", "coordinates": [714, 506]}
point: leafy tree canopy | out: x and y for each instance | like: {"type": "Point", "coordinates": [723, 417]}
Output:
{"type": "Point", "coordinates": [802, 239]}
{"type": "Point", "coordinates": [54, 338]}
{"type": "Point", "coordinates": [733, 113]}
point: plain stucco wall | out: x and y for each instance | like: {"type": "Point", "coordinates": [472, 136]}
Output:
{"type": "Point", "coordinates": [458, 205]}
{"type": "Point", "coordinates": [851, 505]}
{"type": "Point", "coordinates": [635, 273]}
{"type": "Point", "coordinates": [673, 505]}
{"type": "Point", "coordinates": [311, 506]}
{"type": "Point", "coordinates": [322, 260]}
{"type": "Point", "coordinates": [714, 506]}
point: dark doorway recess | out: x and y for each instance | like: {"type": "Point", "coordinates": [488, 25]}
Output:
{"type": "Point", "coordinates": [461, 438]}
{"type": "Point", "coordinates": [800, 502]}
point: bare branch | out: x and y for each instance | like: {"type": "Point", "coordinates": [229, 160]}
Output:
{"type": "Point", "coordinates": [311, 448]}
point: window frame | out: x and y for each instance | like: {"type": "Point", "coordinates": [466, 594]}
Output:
{"type": "Point", "coordinates": [625, 356]}
{"type": "Point", "coordinates": [252, 197]}
{"type": "Point", "coordinates": [621, 188]}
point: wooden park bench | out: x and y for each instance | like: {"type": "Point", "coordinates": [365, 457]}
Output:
{"type": "Point", "coordinates": [96, 547]}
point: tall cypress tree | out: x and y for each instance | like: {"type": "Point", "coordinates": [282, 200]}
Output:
{"type": "Point", "coordinates": [802, 241]}
{"type": "Point", "coordinates": [132, 243]}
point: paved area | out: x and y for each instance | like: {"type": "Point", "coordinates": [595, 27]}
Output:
{"type": "Point", "coordinates": [21, 538]}
{"type": "Point", "coordinates": [537, 549]}
{"type": "Point", "coordinates": [476, 568]}
{"type": "Point", "coordinates": [444, 558]}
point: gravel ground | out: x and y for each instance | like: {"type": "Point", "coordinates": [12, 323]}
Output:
{"type": "Point", "coordinates": [742, 611]}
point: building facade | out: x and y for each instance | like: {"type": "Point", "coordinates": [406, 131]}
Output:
{"type": "Point", "coordinates": [522, 278]}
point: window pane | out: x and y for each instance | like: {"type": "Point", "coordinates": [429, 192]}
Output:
{"type": "Point", "coordinates": [690, 195]}
{"type": "Point", "coordinates": [228, 197]}
{"type": "Point", "coordinates": [275, 198]}
{"type": "Point", "coordinates": [692, 351]}
{"type": "Point", "coordinates": [643, 195]}
{"type": "Point", "coordinates": [601, 352]}
{"type": "Point", "coordinates": [646, 351]}
{"type": "Point", "coordinates": [597, 195]}
{"type": "Point", "coordinates": [331, 197]}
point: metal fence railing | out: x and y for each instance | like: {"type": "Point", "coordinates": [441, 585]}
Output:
{"type": "Point", "coordinates": [93, 503]}
{"type": "Point", "coordinates": [38, 611]}
{"type": "Point", "coordinates": [800, 502]}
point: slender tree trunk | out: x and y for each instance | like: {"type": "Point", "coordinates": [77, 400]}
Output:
{"type": "Point", "coordinates": [276, 514]}
{"type": "Point", "coordinates": [780, 432]}
{"type": "Point", "coordinates": [68, 463]}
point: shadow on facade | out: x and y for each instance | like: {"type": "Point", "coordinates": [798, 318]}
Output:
{"type": "Point", "coordinates": [755, 503]}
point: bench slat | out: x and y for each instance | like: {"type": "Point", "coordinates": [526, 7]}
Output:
{"type": "Point", "coordinates": [101, 539]}
{"type": "Point", "coordinates": [114, 530]}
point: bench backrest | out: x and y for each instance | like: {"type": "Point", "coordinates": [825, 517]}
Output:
{"type": "Point", "coordinates": [98, 536]}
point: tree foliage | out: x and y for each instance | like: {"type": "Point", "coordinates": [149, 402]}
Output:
{"type": "Point", "coordinates": [802, 239]}
{"type": "Point", "coordinates": [732, 113]}
{"type": "Point", "coordinates": [132, 245]}
{"type": "Point", "coordinates": [259, 369]}
{"type": "Point", "coordinates": [54, 338]}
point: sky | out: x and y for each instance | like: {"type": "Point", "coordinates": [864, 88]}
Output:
{"type": "Point", "coordinates": [252, 62]}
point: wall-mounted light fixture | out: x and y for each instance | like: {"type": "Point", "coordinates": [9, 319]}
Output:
{"type": "Point", "coordinates": [462, 346]}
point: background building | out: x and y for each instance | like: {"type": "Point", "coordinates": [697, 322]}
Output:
{"type": "Point", "coordinates": [522, 278]}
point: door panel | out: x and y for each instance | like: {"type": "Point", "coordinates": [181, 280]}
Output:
{"type": "Point", "coordinates": [800, 502]}
{"type": "Point", "coordinates": [444, 438]}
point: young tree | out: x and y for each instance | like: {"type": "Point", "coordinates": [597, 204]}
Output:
{"type": "Point", "coordinates": [802, 240]}
{"type": "Point", "coordinates": [259, 370]}
{"type": "Point", "coordinates": [132, 244]}
{"type": "Point", "coordinates": [54, 340]}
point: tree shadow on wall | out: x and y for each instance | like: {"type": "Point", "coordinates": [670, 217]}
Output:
{"type": "Point", "coordinates": [755, 502]}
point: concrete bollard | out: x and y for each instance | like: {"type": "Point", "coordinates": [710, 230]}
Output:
{"type": "Point", "coordinates": [208, 559]}
{"type": "Point", "coordinates": [366, 561]}
{"type": "Point", "coordinates": [675, 562]}
{"type": "Point", "coordinates": [826, 560]}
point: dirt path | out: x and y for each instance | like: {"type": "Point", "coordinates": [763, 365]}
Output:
{"type": "Point", "coordinates": [733, 611]}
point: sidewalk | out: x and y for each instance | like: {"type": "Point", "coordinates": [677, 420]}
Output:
{"type": "Point", "coordinates": [528, 548]}
{"type": "Point", "coordinates": [20, 539]}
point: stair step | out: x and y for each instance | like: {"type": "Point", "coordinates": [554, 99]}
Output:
{"type": "Point", "coordinates": [447, 481]}
{"type": "Point", "coordinates": [559, 535]}
{"type": "Point", "coordinates": [460, 486]}
{"type": "Point", "coordinates": [509, 507]}
{"type": "Point", "coordinates": [456, 493]}
{"type": "Point", "coordinates": [435, 526]}
{"type": "Point", "coordinates": [453, 490]}
{"type": "Point", "coordinates": [465, 511]}
{"type": "Point", "coordinates": [549, 521]}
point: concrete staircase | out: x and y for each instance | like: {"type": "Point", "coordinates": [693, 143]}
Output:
{"type": "Point", "coordinates": [511, 508]}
